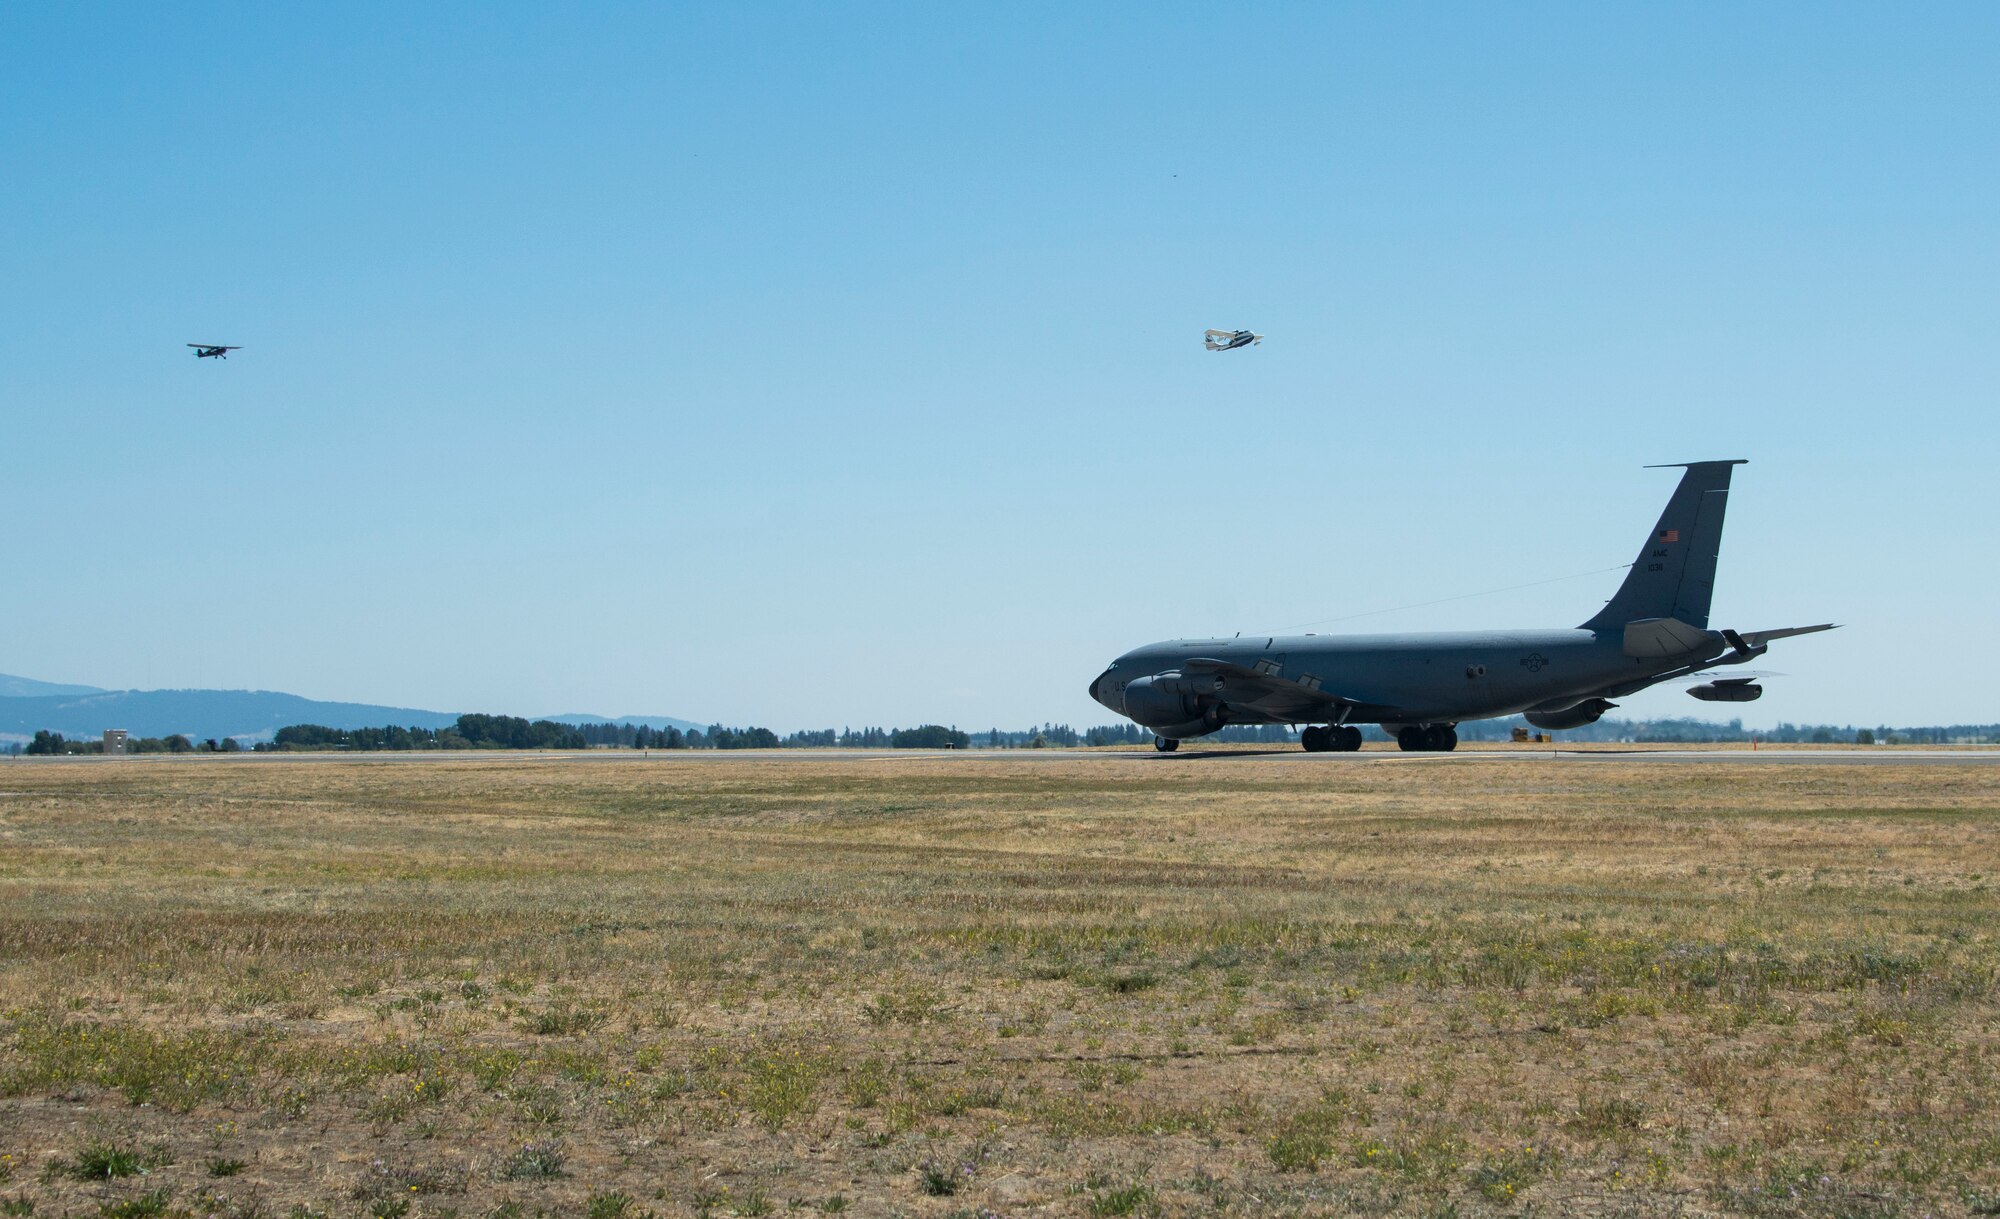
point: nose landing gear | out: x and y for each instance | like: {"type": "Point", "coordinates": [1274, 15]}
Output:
{"type": "Point", "coordinates": [1165, 744]}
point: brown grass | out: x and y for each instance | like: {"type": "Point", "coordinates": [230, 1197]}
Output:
{"type": "Point", "coordinates": [1110, 985]}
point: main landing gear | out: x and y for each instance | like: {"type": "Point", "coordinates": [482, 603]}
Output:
{"type": "Point", "coordinates": [1428, 738]}
{"type": "Point", "coordinates": [1337, 738]}
{"type": "Point", "coordinates": [1165, 744]}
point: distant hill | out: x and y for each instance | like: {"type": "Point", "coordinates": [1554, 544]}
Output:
{"type": "Point", "coordinates": [28, 706]}
{"type": "Point", "coordinates": [637, 721]}
{"type": "Point", "coordinates": [28, 687]}
{"type": "Point", "coordinates": [197, 713]}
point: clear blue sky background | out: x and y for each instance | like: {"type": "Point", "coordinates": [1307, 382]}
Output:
{"type": "Point", "coordinates": [829, 364]}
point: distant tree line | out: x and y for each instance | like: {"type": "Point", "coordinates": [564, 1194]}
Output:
{"type": "Point", "coordinates": [1660, 731]}
{"type": "Point", "coordinates": [717, 736]}
{"type": "Point", "coordinates": [512, 732]}
{"type": "Point", "coordinates": [50, 743]}
{"type": "Point", "coordinates": [1132, 734]}
{"type": "Point", "coordinates": [469, 732]}
{"type": "Point", "coordinates": [1687, 730]}
{"type": "Point", "coordinates": [923, 736]}
{"type": "Point", "coordinates": [509, 732]}
{"type": "Point", "coordinates": [1048, 736]}
{"type": "Point", "coordinates": [639, 736]}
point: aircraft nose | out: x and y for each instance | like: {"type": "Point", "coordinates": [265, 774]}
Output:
{"type": "Point", "coordinates": [1101, 690]}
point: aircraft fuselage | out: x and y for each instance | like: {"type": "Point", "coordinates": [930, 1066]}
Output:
{"type": "Point", "coordinates": [1406, 678]}
{"type": "Point", "coordinates": [1420, 687]}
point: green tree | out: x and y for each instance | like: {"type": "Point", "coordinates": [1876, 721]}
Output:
{"type": "Point", "coordinates": [929, 736]}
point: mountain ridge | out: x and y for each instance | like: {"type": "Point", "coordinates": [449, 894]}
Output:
{"type": "Point", "coordinates": [637, 721]}
{"type": "Point", "coordinates": [250, 715]}
{"type": "Point", "coordinates": [27, 687]}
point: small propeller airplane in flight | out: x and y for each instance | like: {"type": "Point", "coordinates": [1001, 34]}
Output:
{"type": "Point", "coordinates": [1229, 340]}
{"type": "Point", "coordinates": [202, 351]}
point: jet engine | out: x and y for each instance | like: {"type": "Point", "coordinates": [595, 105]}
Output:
{"type": "Point", "coordinates": [1728, 690]}
{"type": "Point", "coordinates": [1175, 706]}
{"type": "Point", "coordinates": [1586, 712]}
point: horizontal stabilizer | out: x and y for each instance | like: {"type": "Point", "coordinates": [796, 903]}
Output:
{"type": "Point", "coordinates": [1653, 638]}
{"type": "Point", "coordinates": [1758, 639]}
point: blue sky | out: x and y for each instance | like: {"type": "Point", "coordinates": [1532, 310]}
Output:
{"type": "Point", "coordinates": [835, 364]}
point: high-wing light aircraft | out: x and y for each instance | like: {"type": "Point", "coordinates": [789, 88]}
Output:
{"type": "Point", "coordinates": [203, 351]}
{"type": "Point", "coordinates": [1229, 340]}
{"type": "Point", "coordinates": [1420, 687]}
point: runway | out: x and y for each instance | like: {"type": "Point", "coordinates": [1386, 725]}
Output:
{"type": "Point", "coordinates": [1600, 757]}
{"type": "Point", "coordinates": [1192, 754]}
{"type": "Point", "coordinates": [1640, 754]}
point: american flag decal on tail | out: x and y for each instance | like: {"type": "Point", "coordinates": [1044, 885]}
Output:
{"type": "Point", "coordinates": [1670, 535]}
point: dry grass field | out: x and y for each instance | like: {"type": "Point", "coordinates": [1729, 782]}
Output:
{"type": "Point", "coordinates": [963, 986]}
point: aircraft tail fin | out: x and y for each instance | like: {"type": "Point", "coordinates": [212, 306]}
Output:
{"type": "Point", "coordinates": [1674, 575]}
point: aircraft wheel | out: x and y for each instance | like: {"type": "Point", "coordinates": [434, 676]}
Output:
{"type": "Point", "coordinates": [1348, 739]}
{"type": "Point", "coordinates": [1440, 738]}
{"type": "Point", "coordinates": [1165, 744]}
{"type": "Point", "coordinates": [1315, 740]}
{"type": "Point", "coordinates": [1412, 740]}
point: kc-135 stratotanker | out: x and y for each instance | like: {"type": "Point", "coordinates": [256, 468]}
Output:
{"type": "Point", "coordinates": [1420, 687]}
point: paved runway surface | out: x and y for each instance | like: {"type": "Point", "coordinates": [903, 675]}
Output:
{"type": "Point", "coordinates": [1188, 755]}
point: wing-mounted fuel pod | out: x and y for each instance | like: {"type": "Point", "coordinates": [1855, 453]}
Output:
{"type": "Point", "coordinates": [1728, 690]}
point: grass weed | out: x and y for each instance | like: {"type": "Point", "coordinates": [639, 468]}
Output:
{"type": "Point", "coordinates": [1243, 985]}
{"type": "Point", "coordinates": [535, 1161]}
{"type": "Point", "coordinates": [103, 1161]}
{"type": "Point", "coordinates": [145, 1206]}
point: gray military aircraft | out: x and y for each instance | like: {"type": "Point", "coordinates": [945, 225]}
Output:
{"type": "Point", "coordinates": [1420, 687]}
{"type": "Point", "coordinates": [1229, 340]}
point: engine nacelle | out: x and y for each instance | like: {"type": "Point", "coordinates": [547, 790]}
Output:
{"type": "Point", "coordinates": [1728, 690]}
{"type": "Point", "coordinates": [1175, 707]}
{"type": "Point", "coordinates": [1589, 711]}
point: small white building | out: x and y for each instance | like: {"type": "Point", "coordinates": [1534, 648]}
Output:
{"type": "Point", "coordinates": [114, 740]}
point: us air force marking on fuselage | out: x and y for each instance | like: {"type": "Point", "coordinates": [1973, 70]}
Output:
{"type": "Point", "coordinates": [1420, 687]}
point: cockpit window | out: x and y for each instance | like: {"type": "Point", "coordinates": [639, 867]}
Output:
{"type": "Point", "coordinates": [1111, 666]}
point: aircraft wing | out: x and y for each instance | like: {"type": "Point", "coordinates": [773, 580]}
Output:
{"type": "Point", "coordinates": [1220, 334]}
{"type": "Point", "coordinates": [1263, 688]}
